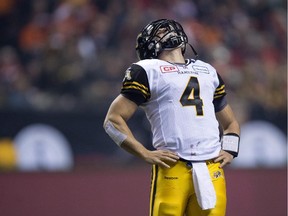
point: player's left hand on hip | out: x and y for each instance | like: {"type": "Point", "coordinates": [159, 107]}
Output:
{"type": "Point", "coordinates": [224, 158]}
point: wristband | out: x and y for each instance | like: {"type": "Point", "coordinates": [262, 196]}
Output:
{"type": "Point", "coordinates": [230, 143]}
{"type": "Point", "coordinates": [117, 136]}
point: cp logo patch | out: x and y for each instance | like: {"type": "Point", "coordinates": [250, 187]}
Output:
{"type": "Point", "coordinates": [168, 69]}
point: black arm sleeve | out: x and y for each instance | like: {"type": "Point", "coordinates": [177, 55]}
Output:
{"type": "Point", "coordinates": [135, 85]}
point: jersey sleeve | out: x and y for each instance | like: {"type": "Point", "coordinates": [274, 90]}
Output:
{"type": "Point", "coordinates": [135, 85]}
{"type": "Point", "coordinates": [219, 100]}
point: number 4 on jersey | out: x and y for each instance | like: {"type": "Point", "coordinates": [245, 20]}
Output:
{"type": "Point", "coordinates": [191, 96]}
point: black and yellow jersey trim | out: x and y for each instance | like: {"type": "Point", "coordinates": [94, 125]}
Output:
{"type": "Point", "coordinates": [220, 91]}
{"type": "Point", "coordinates": [219, 100]}
{"type": "Point", "coordinates": [135, 85]}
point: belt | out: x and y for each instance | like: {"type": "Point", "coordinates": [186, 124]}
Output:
{"type": "Point", "coordinates": [210, 161]}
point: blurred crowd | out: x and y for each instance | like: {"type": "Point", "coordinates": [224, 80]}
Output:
{"type": "Point", "coordinates": [71, 55]}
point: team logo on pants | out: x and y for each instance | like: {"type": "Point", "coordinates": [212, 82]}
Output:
{"type": "Point", "coordinates": [217, 174]}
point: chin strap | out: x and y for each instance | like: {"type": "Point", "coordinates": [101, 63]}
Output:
{"type": "Point", "coordinates": [194, 51]}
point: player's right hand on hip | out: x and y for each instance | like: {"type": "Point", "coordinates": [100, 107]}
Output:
{"type": "Point", "coordinates": [163, 158]}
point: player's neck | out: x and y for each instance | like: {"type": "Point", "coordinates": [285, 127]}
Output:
{"type": "Point", "coordinates": [173, 56]}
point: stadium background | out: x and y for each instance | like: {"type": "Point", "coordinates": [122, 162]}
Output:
{"type": "Point", "coordinates": [61, 65]}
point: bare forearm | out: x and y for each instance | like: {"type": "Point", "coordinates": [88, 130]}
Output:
{"type": "Point", "coordinates": [228, 121]}
{"type": "Point", "coordinates": [233, 127]}
{"type": "Point", "coordinates": [134, 147]}
{"type": "Point", "coordinates": [130, 144]}
{"type": "Point", "coordinates": [231, 131]}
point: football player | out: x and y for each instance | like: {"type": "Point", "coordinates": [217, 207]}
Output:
{"type": "Point", "coordinates": [184, 101]}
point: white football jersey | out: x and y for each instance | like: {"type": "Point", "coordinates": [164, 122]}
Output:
{"type": "Point", "coordinates": [180, 101]}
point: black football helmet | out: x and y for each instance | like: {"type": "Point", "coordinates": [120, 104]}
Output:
{"type": "Point", "coordinates": [149, 45]}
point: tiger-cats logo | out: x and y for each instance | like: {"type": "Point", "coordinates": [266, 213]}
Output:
{"type": "Point", "coordinates": [128, 74]}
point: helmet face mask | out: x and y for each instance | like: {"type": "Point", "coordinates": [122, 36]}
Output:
{"type": "Point", "coordinates": [160, 35]}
